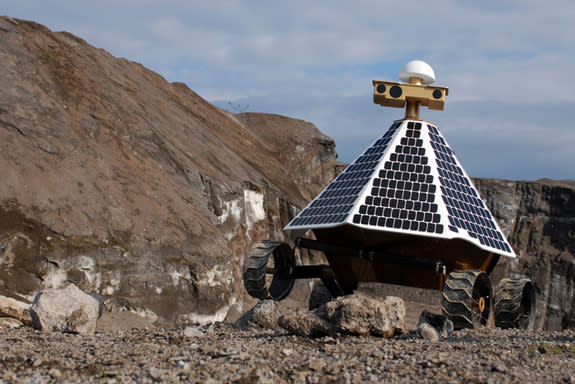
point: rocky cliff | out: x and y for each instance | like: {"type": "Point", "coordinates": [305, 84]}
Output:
{"type": "Point", "coordinates": [539, 221]}
{"type": "Point", "coordinates": [135, 188]}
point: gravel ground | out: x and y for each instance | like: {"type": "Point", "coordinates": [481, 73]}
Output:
{"type": "Point", "coordinates": [220, 353]}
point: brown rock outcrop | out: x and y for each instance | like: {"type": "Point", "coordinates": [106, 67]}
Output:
{"type": "Point", "coordinates": [356, 314]}
{"type": "Point", "coordinates": [135, 188]}
{"type": "Point", "coordinates": [361, 314]}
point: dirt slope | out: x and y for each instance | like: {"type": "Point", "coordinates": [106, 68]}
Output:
{"type": "Point", "coordinates": [133, 187]}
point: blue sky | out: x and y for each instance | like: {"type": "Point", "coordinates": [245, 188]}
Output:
{"type": "Point", "coordinates": [507, 64]}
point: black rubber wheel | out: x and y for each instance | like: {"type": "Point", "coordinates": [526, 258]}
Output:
{"type": "Point", "coordinates": [467, 299]}
{"type": "Point", "coordinates": [515, 301]}
{"type": "Point", "coordinates": [263, 260]}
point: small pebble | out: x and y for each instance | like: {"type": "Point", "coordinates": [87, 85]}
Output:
{"type": "Point", "coordinates": [55, 373]}
{"type": "Point", "coordinates": [192, 332]}
{"type": "Point", "coordinates": [428, 332]}
{"type": "Point", "coordinates": [499, 367]}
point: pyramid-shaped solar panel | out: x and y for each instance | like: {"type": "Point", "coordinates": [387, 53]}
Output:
{"type": "Point", "coordinates": [409, 181]}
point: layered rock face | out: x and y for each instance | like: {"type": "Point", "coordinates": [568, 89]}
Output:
{"type": "Point", "coordinates": [539, 221]}
{"type": "Point", "coordinates": [134, 188]}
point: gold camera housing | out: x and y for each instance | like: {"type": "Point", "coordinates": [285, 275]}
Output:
{"type": "Point", "coordinates": [394, 94]}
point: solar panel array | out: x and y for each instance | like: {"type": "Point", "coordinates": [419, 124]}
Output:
{"type": "Point", "coordinates": [466, 210]}
{"type": "Point", "coordinates": [336, 202]}
{"type": "Point", "coordinates": [408, 181]}
{"type": "Point", "coordinates": [402, 195]}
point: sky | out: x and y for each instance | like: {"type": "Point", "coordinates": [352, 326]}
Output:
{"type": "Point", "coordinates": [507, 64]}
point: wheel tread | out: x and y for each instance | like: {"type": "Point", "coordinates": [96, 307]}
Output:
{"type": "Point", "coordinates": [509, 312]}
{"type": "Point", "coordinates": [255, 269]}
{"type": "Point", "coordinates": [457, 296]}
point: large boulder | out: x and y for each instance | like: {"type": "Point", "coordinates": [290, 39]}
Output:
{"type": "Point", "coordinates": [357, 314]}
{"type": "Point", "coordinates": [362, 314]}
{"type": "Point", "coordinates": [66, 309]}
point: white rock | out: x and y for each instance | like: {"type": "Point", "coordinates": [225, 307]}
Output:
{"type": "Point", "coordinates": [442, 325]}
{"type": "Point", "coordinates": [427, 332]}
{"type": "Point", "coordinates": [192, 332]}
{"type": "Point", "coordinates": [10, 307]}
{"type": "Point", "coordinates": [66, 309]}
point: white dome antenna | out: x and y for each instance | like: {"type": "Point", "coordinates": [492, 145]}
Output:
{"type": "Point", "coordinates": [417, 72]}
